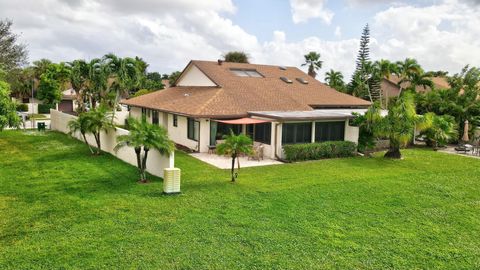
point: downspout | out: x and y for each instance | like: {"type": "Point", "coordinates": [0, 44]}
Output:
{"type": "Point", "coordinates": [199, 133]}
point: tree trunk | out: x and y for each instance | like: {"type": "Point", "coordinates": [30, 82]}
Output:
{"type": "Point", "coordinates": [233, 168]}
{"type": "Point", "coordinates": [138, 152]}
{"type": "Point", "coordinates": [393, 152]}
{"type": "Point", "coordinates": [86, 142]}
{"type": "Point", "coordinates": [144, 164]}
{"type": "Point", "coordinates": [97, 140]}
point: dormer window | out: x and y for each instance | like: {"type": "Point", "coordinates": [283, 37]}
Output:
{"type": "Point", "coordinates": [246, 72]}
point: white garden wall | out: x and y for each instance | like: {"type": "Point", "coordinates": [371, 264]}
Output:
{"type": "Point", "coordinates": [156, 163]}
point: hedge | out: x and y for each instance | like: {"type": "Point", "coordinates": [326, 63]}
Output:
{"type": "Point", "coordinates": [44, 108]}
{"type": "Point", "coordinates": [22, 107]}
{"type": "Point", "coordinates": [314, 151]}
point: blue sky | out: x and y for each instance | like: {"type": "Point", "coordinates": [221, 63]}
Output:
{"type": "Point", "coordinates": [441, 35]}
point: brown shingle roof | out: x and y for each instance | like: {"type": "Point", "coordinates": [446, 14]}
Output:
{"type": "Point", "coordinates": [235, 96]}
{"type": "Point", "coordinates": [439, 83]}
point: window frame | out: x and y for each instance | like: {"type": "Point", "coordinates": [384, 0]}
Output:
{"type": "Point", "coordinates": [155, 117]}
{"type": "Point", "coordinates": [175, 120]}
{"type": "Point", "coordinates": [266, 133]}
{"type": "Point", "coordinates": [331, 128]}
{"type": "Point", "coordinates": [195, 133]}
{"type": "Point", "coordinates": [305, 127]}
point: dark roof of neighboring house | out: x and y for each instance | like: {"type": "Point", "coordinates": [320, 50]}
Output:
{"type": "Point", "coordinates": [235, 96]}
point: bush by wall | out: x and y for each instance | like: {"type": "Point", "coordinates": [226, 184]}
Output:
{"type": "Point", "coordinates": [314, 151]}
{"type": "Point", "coordinates": [22, 107]}
{"type": "Point", "coordinates": [44, 108]}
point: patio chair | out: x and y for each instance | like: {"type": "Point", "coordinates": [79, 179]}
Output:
{"type": "Point", "coordinates": [257, 153]}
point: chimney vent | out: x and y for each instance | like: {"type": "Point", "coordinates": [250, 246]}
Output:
{"type": "Point", "coordinates": [220, 61]}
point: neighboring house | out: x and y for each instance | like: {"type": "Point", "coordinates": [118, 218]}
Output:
{"type": "Point", "coordinates": [68, 103]}
{"type": "Point", "coordinates": [390, 87]}
{"type": "Point", "coordinates": [274, 105]}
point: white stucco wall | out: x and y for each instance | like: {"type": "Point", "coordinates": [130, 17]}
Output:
{"type": "Point", "coordinates": [194, 77]}
{"type": "Point", "coordinates": [351, 133]}
{"type": "Point", "coordinates": [156, 163]}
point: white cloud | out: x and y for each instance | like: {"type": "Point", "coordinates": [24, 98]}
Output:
{"type": "Point", "coordinates": [442, 36]}
{"type": "Point", "coordinates": [303, 10]}
{"type": "Point", "coordinates": [338, 32]}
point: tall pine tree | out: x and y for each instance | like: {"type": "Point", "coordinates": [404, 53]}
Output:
{"type": "Point", "coordinates": [365, 82]}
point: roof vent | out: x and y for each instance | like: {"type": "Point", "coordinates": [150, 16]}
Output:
{"type": "Point", "coordinates": [220, 61]}
{"type": "Point", "coordinates": [302, 80]}
{"type": "Point", "coordinates": [282, 67]}
{"type": "Point", "coordinates": [285, 79]}
{"type": "Point", "coordinates": [186, 95]}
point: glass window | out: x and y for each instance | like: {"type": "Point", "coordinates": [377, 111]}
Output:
{"type": "Point", "coordinates": [193, 129]}
{"type": "Point", "coordinates": [329, 131]}
{"type": "Point", "coordinates": [246, 73]}
{"type": "Point", "coordinates": [296, 133]}
{"type": "Point", "coordinates": [175, 120]}
{"type": "Point", "coordinates": [263, 133]}
{"type": "Point", "coordinates": [155, 117]}
{"type": "Point", "coordinates": [224, 129]}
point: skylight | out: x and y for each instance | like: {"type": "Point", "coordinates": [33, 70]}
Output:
{"type": "Point", "coordinates": [246, 73]}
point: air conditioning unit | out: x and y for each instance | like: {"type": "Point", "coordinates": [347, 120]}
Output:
{"type": "Point", "coordinates": [171, 181]}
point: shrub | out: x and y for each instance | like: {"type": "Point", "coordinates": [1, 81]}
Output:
{"type": "Point", "coordinates": [22, 107]}
{"type": "Point", "coordinates": [44, 108]}
{"type": "Point", "coordinates": [314, 151]}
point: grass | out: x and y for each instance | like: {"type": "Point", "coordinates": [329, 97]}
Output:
{"type": "Point", "coordinates": [38, 117]}
{"type": "Point", "coordinates": [62, 208]}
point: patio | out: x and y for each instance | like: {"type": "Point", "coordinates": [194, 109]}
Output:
{"type": "Point", "coordinates": [223, 162]}
{"type": "Point", "coordinates": [451, 150]}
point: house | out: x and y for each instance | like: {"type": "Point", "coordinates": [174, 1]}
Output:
{"type": "Point", "coordinates": [274, 105]}
{"type": "Point", "coordinates": [390, 86]}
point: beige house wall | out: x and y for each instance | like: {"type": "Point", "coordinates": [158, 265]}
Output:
{"type": "Point", "coordinates": [194, 77]}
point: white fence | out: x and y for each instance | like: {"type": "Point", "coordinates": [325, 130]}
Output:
{"type": "Point", "coordinates": [156, 163]}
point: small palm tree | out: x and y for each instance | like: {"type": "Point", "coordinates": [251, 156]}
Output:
{"type": "Point", "coordinates": [147, 136]}
{"type": "Point", "coordinates": [399, 124]}
{"type": "Point", "coordinates": [82, 125]}
{"type": "Point", "coordinates": [334, 79]}
{"type": "Point", "coordinates": [234, 146]}
{"type": "Point", "coordinates": [312, 60]}
{"type": "Point", "coordinates": [99, 119]}
{"type": "Point", "coordinates": [441, 130]}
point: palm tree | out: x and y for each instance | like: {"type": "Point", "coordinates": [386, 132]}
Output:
{"type": "Point", "coordinates": [236, 57]}
{"type": "Point", "coordinates": [335, 80]}
{"type": "Point", "coordinates": [99, 119]}
{"type": "Point", "coordinates": [40, 67]}
{"type": "Point", "coordinates": [312, 60]}
{"type": "Point", "coordinates": [124, 74]}
{"type": "Point", "coordinates": [386, 69]}
{"type": "Point", "coordinates": [417, 79]}
{"type": "Point", "coordinates": [146, 136]}
{"type": "Point", "coordinates": [399, 124]}
{"type": "Point", "coordinates": [441, 130]}
{"type": "Point", "coordinates": [80, 124]}
{"type": "Point", "coordinates": [234, 146]}
{"type": "Point", "coordinates": [406, 70]}
{"type": "Point", "coordinates": [80, 80]}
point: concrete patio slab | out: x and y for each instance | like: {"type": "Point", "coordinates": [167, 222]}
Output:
{"type": "Point", "coordinates": [451, 150]}
{"type": "Point", "coordinates": [226, 162]}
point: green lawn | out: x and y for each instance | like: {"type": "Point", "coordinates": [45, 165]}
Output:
{"type": "Point", "coordinates": [61, 208]}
